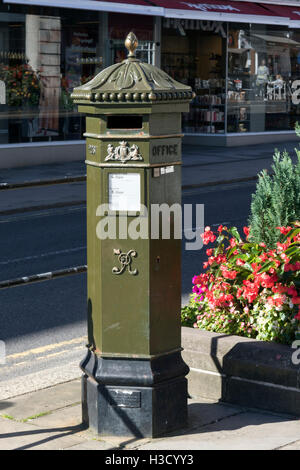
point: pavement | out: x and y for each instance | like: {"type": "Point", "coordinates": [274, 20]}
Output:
{"type": "Point", "coordinates": [50, 418]}
{"type": "Point", "coordinates": [34, 187]}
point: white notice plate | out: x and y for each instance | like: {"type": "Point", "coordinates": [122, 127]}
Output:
{"type": "Point", "coordinates": [124, 191]}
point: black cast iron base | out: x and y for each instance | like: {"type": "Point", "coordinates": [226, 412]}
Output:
{"type": "Point", "coordinates": [132, 397]}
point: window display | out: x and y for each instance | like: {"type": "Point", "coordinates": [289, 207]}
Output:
{"type": "Point", "coordinates": [260, 74]}
{"type": "Point", "coordinates": [41, 59]}
{"type": "Point", "coordinates": [242, 74]}
{"type": "Point", "coordinates": [243, 79]}
{"type": "Point", "coordinates": [198, 58]}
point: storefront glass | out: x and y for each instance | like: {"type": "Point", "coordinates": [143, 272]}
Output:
{"type": "Point", "coordinates": [242, 74]}
{"type": "Point", "coordinates": [42, 58]}
{"type": "Point", "coordinates": [262, 65]}
{"type": "Point", "coordinates": [194, 52]}
{"type": "Point", "coordinates": [118, 29]}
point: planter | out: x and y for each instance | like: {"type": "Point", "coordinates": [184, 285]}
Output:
{"type": "Point", "coordinates": [241, 371]}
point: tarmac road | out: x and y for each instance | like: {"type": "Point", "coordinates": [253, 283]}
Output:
{"type": "Point", "coordinates": [44, 324]}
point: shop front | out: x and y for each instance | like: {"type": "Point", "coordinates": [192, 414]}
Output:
{"type": "Point", "coordinates": [43, 56]}
{"type": "Point", "coordinates": [244, 75]}
{"type": "Point", "coordinates": [242, 59]}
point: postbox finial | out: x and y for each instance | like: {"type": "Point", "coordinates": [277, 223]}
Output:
{"type": "Point", "coordinates": [131, 44]}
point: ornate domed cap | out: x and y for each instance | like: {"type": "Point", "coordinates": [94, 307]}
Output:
{"type": "Point", "coordinates": [132, 81]}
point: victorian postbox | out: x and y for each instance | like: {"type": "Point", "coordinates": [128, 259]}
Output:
{"type": "Point", "coordinates": [134, 379]}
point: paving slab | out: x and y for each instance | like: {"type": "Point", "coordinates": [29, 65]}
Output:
{"type": "Point", "coordinates": [93, 445]}
{"type": "Point", "coordinates": [22, 436]}
{"type": "Point", "coordinates": [212, 426]}
{"type": "Point", "coordinates": [293, 446]}
{"type": "Point", "coordinates": [42, 401]}
{"type": "Point", "coordinates": [65, 417]}
{"type": "Point", "coordinates": [204, 411]}
{"type": "Point", "coordinates": [245, 431]}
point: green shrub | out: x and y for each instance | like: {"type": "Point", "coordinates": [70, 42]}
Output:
{"type": "Point", "coordinates": [276, 202]}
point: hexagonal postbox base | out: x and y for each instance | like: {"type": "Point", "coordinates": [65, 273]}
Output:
{"type": "Point", "coordinates": [134, 410]}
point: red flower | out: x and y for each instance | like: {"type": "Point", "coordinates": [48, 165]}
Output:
{"type": "Point", "coordinates": [297, 238]}
{"type": "Point", "coordinates": [232, 242]}
{"type": "Point", "coordinates": [276, 301]}
{"type": "Point", "coordinates": [246, 231]}
{"type": "Point", "coordinates": [239, 293]}
{"type": "Point", "coordinates": [227, 273]}
{"type": "Point", "coordinates": [240, 262]}
{"type": "Point", "coordinates": [208, 236]}
{"type": "Point", "coordinates": [266, 280]}
{"type": "Point", "coordinates": [263, 257]}
{"type": "Point", "coordinates": [284, 230]}
{"type": "Point", "coordinates": [292, 291]}
{"type": "Point", "coordinates": [283, 246]}
{"type": "Point", "coordinates": [297, 317]}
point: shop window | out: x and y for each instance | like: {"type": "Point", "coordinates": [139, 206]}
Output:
{"type": "Point", "coordinates": [42, 58]}
{"type": "Point", "coordinates": [260, 74]}
{"type": "Point", "coordinates": [118, 27]}
{"type": "Point", "coordinates": [194, 52]}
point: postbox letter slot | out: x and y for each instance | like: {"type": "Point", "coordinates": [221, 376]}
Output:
{"type": "Point", "coordinates": [124, 122]}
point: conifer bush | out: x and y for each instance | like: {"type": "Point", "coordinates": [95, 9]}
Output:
{"type": "Point", "coordinates": [276, 201]}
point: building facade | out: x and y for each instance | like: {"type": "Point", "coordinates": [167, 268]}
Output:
{"type": "Point", "coordinates": [241, 58]}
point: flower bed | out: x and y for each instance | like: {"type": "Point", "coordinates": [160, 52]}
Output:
{"type": "Point", "coordinates": [248, 289]}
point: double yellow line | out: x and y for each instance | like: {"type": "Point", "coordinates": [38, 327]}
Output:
{"type": "Point", "coordinates": [44, 351]}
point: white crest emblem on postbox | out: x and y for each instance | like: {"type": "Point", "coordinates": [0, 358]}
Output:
{"type": "Point", "coordinates": [123, 152]}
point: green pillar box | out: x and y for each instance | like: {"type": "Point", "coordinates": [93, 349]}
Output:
{"type": "Point", "coordinates": [134, 377]}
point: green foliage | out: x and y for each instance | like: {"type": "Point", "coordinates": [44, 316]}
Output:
{"type": "Point", "coordinates": [189, 315]}
{"type": "Point", "coordinates": [276, 202]}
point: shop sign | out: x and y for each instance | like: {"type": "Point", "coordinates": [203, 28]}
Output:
{"type": "Point", "coordinates": [208, 7]}
{"type": "Point", "coordinates": [216, 27]}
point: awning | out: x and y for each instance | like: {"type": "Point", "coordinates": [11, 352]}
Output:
{"type": "Point", "coordinates": [218, 10]}
{"type": "Point", "coordinates": [137, 7]}
{"type": "Point", "coordinates": [210, 10]}
{"type": "Point", "coordinates": [293, 13]}
{"type": "Point", "coordinates": [277, 39]}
